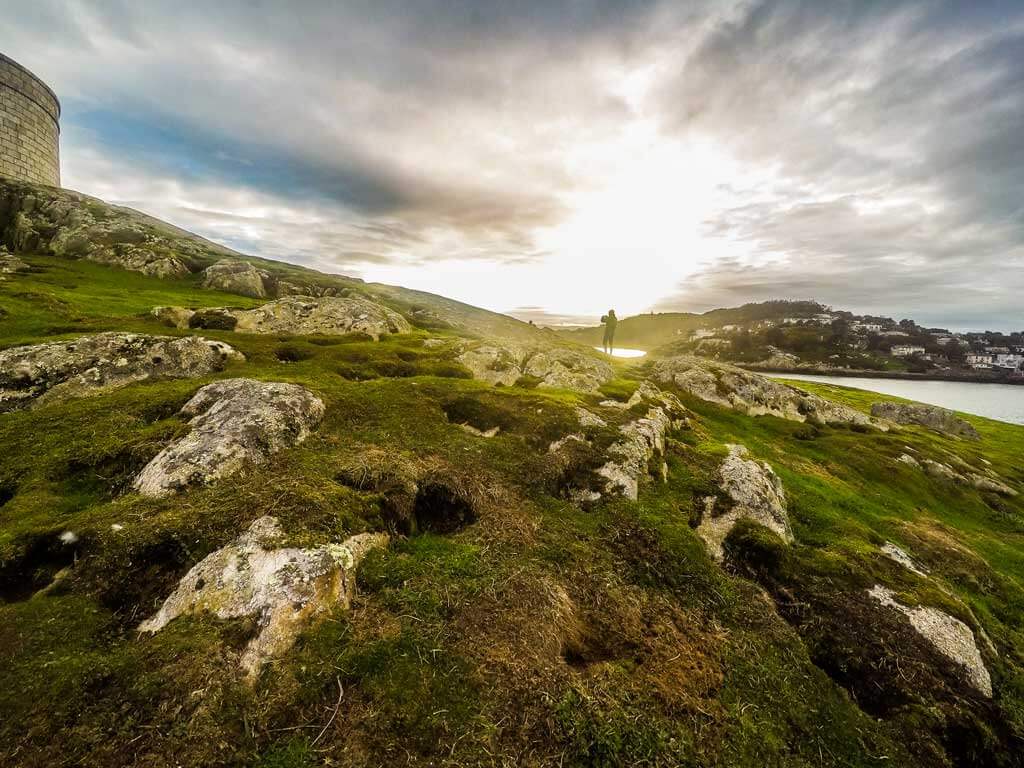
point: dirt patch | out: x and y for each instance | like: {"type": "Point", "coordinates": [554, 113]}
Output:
{"type": "Point", "coordinates": [41, 560]}
{"type": "Point", "coordinates": [291, 353]}
{"type": "Point", "coordinates": [442, 508]}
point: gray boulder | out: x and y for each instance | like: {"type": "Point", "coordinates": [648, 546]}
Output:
{"type": "Point", "coordinates": [326, 315]}
{"type": "Point", "coordinates": [285, 589]}
{"type": "Point", "coordinates": [556, 367]}
{"type": "Point", "coordinates": [754, 491]}
{"type": "Point", "coordinates": [751, 393]}
{"type": "Point", "coordinates": [948, 635]}
{"type": "Point", "coordinates": [11, 264]}
{"type": "Point", "coordinates": [930, 416]}
{"type": "Point", "coordinates": [46, 372]}
{"type": "Point", "coordinates": [233, 422]}
{"type": "Point", "coordinates": [237, 276]}
{"type": "Point", "coordinates": [630, 458]}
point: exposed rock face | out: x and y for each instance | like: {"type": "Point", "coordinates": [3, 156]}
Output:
{"type": "Point", "coordinates": [950, 636]}
{"type": "Point", "coordinates": [756, 493]}
{"type": "Point", "coordinates": [751, 393]}
{"type": "Point", "coordinates": [897, 554]}
{"type": "Point", "coordinates": [76, 226]}
{"type": "Point", "coordinates": [175, 317]}
{"type": "Point", "coordinates": [906, 458]}
{"type": "Point", "coordinates": [931, 416]}
{"type": "Point", "coordinates": [234, 422]}
{"type": "Point", "coordinates": [237, 276]}
{"type": "Point", "coordinates": [330, 315]}
{"type": "Point", "coordinates": [642, 440]}
{"type": "Point", "coordinates": [285, 589]}
{"type": "Point", "coordinates": [10, 264]}
{"type": "Point", "coordinates": [556, 367]}
{"type": "Point", "coordinates": [45, 372]}
{"type": "Point", "coordinates": [940, 471]}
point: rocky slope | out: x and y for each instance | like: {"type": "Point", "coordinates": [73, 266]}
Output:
{"type": "Point", "coordinates": [465, 542]}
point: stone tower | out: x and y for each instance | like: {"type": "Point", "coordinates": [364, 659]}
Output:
{"type": "Point", "coordinates": [29, 126]}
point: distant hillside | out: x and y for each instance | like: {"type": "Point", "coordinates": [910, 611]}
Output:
{"type": "Point", "coordinates": [808, 336]}
{"type": "Point", "coordinates": [653, 330]}
{"type": "Point", "coordinates": [65, 223]}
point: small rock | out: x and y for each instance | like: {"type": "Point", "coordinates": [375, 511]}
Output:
{"type": "Point", "coordinates": [950, 636]}
{"type": "Point", "coordinates": [906, 458]}
{"type": "Point", "coordinates": [893, 552]}
{"type": "Point", "coordinates": [756, 493]}
{"type": "Point", "coordinates": [285, 589]}
{"type": "Point", "coordinates": [234, 422]}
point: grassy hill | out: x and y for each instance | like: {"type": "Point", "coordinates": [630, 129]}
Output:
{"type": "Point", "coordinates": [539, 630]}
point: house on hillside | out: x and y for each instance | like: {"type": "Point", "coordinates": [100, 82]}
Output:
{"type": "Point", "coordinates": [980, 361]}
{"type": "Point", "coordinates": [906, 350]}
{"type": "Point", "coordinates": [1010, 361]}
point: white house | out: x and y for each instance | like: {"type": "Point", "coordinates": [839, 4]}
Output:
{"type": "Point", "coordinates": [977, 360]}
{"type": "Point", "coordinates": [1012, 361]}
{"type": "Point", "coordinates": [867, 327]}
{"type": "Point", "coordinates": [906, 350]}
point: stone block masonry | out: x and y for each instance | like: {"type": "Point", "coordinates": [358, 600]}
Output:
{"type": "Point", "coordinates": [29, 126]}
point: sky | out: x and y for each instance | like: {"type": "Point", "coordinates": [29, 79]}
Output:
{"type": "Point", "coordinates": [553, 160]}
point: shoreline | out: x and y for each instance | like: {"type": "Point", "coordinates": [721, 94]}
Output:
{"type": "Point", "coordinates": [898, 375]}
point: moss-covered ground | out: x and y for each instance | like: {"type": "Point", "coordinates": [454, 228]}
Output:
{"type": "Point", "coordinates": [531, 632]}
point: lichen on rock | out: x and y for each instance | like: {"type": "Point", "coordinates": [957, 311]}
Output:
{"type": "Point", "coordinates": [930, 416]}
{"type": "Point", "coordinates": [90, 364]}
{"type": "Point", "coordinates": [285, 589]}
{"type": "Point", "coordinates": [753, 394]}
{"type": "Point", "coordinates": [237, 276]}
{"type": "Point", "coordinates": [555, 367]}
{"type": "Point", "coordinates": [950, 636]}
{"type": "Point", "coordinates": [756, 493]}
{"type": "Point", "coordinates": [234, 422]}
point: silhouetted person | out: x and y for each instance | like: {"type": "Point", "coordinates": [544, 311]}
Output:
{"type": "Point", "coordinates": [610, 321]}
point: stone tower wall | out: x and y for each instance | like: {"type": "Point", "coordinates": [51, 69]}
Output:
{"type": "Point", "coordinates": [29, 126]}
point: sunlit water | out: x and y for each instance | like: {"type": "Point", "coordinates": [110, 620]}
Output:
{"type": "Point", "coordinates": [1003, 402]}
{"type": "Point", "coordinates": [618, 352]}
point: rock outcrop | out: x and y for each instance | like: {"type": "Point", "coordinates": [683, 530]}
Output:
{"type": "Point", "coordinates": [233, 422]}
{"type": "Point", "coordinates": [285, 588]}
{"type": "Point", "coordinates": [990, 482]}
{"type": "Point", "coordinates": [556, 367]}
{"type": "Point", "coordinates": [238, 276]}
{"type": "Point", "coordinates": [754, 492]}
{"type": "Point", "coordinates": [899, 555]}
{"type": "Point", "coordinates": [11, 264]}
{"type": "Point", "coordinates": [930, 416]}
{"type": "Point", "coordinates": [950, 636]}
{"type": "Point", "coordinates": [89, 364]}
{"type": "Point", "coordinates": [629, 458]}
{"type": "Point", "coordinates": [328, 315]}
{"type": "Point", "coordinates": [752, 393]}
{"type": "Point", "coordinates": [75, 226]}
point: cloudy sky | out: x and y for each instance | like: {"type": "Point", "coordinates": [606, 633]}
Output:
{"type": "Point", "coordinates": [555, 159]}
